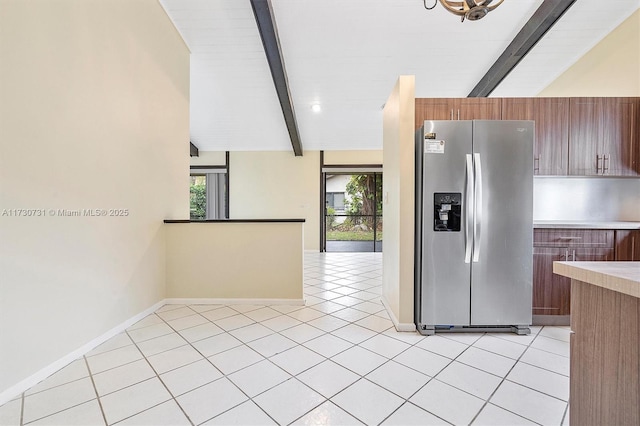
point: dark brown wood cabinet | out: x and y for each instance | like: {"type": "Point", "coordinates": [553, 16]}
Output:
{"type": "Point", "coordinates": [574, 136]}
{"type": "Point", "coordinates": [620, 145]}
{"type": "Point", "coordinates": [551, 292]}
{"type": "Point", "coordinates": [585, 136]}
{"type": "Point", "coordinates": [479, 109]}
{"type": "Point", "coordinates": [628, 245]}
{"type": "Point", "coordinates": [433, 109]}
{"type": "Point", "coordinates": [603, 137]}
{"type": "Point", "coordinates": [551, 143]}
{"type": "Point", "coordinates": [457, 109]}
{"type": "Point", "coordinates": [605, 349]}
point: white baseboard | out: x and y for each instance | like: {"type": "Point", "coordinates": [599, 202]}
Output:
{"type": "Point", "coordinates": [15, 390]}
{"type": "Point", "coordinates": [214, 301]}
{"type": "Point", "coordinates": [400, 326]}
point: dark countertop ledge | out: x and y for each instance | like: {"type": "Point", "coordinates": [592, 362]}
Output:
{"type": "Point", "coordinates": [235, 221]}
{"type": "Point", "coordinates": [584, 224]}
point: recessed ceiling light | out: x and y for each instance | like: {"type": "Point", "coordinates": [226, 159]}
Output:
{"type": "Point", "coordinates": [316, 108]}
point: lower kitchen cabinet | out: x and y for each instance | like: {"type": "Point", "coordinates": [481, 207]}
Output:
{"type": "Point", "coordinates": [628, 245]}
{"type": "Point", "coordinates": [551, 292]}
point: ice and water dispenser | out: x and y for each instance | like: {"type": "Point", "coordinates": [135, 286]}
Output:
{"type": "Point", "coordinates": [447, 211]}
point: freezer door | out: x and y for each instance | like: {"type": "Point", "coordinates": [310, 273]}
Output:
{"type": "Point", "coordinates": [501, 277]}
{"type": "Point", "coordinates": [445, 286]}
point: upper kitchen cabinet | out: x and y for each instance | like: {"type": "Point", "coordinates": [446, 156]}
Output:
{"type": "Point", "coordinates": [621, 131]}
{"type": "Point", "coordinates": [551, 143]}
{"type": "Point", "coordinates": [433, 109]}
{"type": "Point", "coordinates": [603, 137]}
{"type": "Point", "coordinates": [457, 109]}
{"type": "Point", "coordinates": [479, 109]}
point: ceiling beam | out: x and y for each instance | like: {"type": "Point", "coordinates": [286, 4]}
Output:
{"type": "Point", "coordinates": [193, 150]}
{"type": "Point", "coordinates": [549, 12]}
{"type": "Point", "coordinates": [263, 12]}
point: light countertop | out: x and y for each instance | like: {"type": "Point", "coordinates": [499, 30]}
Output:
{"type": "Point", "coordinates": [582, 224]}
{"type": "Point", "coordinates": [623, 277]}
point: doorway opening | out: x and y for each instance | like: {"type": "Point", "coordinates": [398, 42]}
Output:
{"type": "Point", "coordinates": [352, 211]}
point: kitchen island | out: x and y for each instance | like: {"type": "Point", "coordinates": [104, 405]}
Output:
{"type": "Point", "coordinates": [605, 342]}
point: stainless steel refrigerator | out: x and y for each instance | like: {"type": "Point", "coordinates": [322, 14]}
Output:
{"type": "Point", "coordinates": [474, 226]}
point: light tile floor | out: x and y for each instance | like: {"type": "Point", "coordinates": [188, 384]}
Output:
{"type": "Point", "coordinates": [336, 361]}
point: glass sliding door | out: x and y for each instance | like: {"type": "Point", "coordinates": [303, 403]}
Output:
{"type": "Point", "coordinates": [353, 212]}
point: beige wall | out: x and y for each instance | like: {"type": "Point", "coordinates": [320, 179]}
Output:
{"type": "Point", "coordinates": [234, 260]}
{"type": "Point", "coordinates": [209, 158]}
{"type": "Point", "coordinates": [277, 185]}
{"type": "Point", "coordinates": [352, 157]}
{"type": "Point", "coordinates": [94, 104]}
{"type": "Point", "coordinates": [398, 209]}
{"type": "Point", "coordinates": [611, 68]}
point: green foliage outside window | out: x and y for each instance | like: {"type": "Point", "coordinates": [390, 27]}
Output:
{"type": "Point", "coordinates": [198, 195]}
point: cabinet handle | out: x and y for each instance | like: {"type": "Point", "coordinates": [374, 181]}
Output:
{"type": "Point", "coordinates": [598, 163]}
{"type": "Point", "coordinates": [536, 164]}
{"type": "Point", "coordinates": [458, 114]}
{"type": "Point", "coordinates": [566, 255]}
{"type": "Point", "coordinates": [573, 255]}
{"type": "Point", "coordinates": [569, 238]}
{"type": "Point", "coordinates": [605, 167]}
{"type": "Point", "coordinates": [451, 113]}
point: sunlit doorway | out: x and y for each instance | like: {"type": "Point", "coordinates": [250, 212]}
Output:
{"type": "Point", "coordinates": [353, 212]}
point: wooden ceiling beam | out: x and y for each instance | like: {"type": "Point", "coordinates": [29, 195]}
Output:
{"type": "Point", "coordinates": [549, 12]}
{"type": "Point", "coordinates": [263, 12]}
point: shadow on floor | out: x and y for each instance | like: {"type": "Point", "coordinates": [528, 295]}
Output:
{"type": "Point", "coordinates": [354, 246]}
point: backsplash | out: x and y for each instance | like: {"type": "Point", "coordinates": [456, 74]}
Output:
{"type": "Point", "coordinates": [586, 198]}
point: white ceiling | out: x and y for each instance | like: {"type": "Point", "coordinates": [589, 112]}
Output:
{"type": "Point", "coordinates": [347, 55]}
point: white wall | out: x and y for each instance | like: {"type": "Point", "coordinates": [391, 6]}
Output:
{"type": "Point", "coordinates": [94, 114]}
{"type": "Point", "coordinates": [277, 185]}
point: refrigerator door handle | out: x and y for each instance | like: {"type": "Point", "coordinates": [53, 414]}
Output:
{"type": "Point", "coordinates": [469, 218]}
{"type": "Point", "coordinates": [477, 217]}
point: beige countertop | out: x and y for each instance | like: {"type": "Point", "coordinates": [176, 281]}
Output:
{"type": "Point", "coordinates": [583, 224]}
{"type": "Point", "coordinates": [623, 277]}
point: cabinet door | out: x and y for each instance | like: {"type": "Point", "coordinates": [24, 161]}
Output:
{"type": "Point", "coordinates": [621, 132]}
{"type": "Point", "coordinates": [585, 136]}
{"type": "Point", "coordinates": [551, 149]}
{"type": "Point", "coordinates": [433, 109]}
{"type": "Point", "coordinates": [551, 292]}
{"type": "Point", "coordinates": [479, 109]}
{"type": "Point", "coordinates": [628, 245]}
{"type": "Point", "coordinates": [517, 108]}
{"type": "Point", "coordinates": [573, 238]}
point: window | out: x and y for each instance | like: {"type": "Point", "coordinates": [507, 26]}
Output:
{"type": "Point", "coordinates": [335, 200]}
{"type": "Point", "coordinates": [198, 197]}
{"type": "Point", "coordinates": [208, 194]}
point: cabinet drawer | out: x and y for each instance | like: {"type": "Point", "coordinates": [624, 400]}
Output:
{"type": "Point", "coordinates": [586, 238]}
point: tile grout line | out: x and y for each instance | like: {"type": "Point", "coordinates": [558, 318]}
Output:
{"type": "Point", "coordinates": [163, 384]}
{"type": "Point", "coordinates": [95, 389]}
{"type": "Point", "coordinates": [223, 376]}
{"type": "Point", "coordinates": [565, 414]}
{"type": "Point", "coordinates": [505, 379]}
{"type": "Point", "coordinates": [22, 409]}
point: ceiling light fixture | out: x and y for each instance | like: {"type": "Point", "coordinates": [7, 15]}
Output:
{"type": "Point", "coordinates": [316, 108]}
{"type": "Point", "coordinates": [470, 9]}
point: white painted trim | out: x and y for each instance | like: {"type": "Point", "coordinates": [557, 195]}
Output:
{"type": "Point", "coordinates": [15, 390]}
{"type": "Point", "coordinates": [210, 301]}
{"type": "Point", "coordinates": [400, 326]}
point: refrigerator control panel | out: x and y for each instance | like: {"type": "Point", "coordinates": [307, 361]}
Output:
{"type": "Point", "coordinates": [447, 211]}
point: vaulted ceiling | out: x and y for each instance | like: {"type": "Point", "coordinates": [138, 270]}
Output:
{"type": "Point", "coordinates": [345, 56]}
